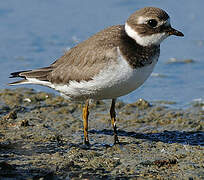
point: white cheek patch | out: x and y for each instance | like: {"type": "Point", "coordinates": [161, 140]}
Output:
{"type": "Point", "coordinates": [154, 39]}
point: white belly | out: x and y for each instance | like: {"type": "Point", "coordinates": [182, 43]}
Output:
{"type": "Point", "coordinates": [112, 82]}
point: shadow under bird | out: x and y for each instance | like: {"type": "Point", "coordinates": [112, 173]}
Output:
{"type": "Point", "coordinates": [110, 64]}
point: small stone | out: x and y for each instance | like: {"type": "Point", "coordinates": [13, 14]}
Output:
{"type": "Point", "coordinates": [165, 162]}
{"type": "Point", "coordinates": [11, 115]}
{"type": "Point", "coordinates": [142, 104]}
{"type": "Point", "coordinates": [27, 100]}
{"type": "Point", "coordinates": [24, 123]}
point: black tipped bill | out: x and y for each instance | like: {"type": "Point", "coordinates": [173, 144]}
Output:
{"type": "Point", "coordinates": [172, 31]}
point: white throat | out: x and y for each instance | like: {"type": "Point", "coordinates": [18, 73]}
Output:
{"type": "Point", "coordinates": [154, 39]}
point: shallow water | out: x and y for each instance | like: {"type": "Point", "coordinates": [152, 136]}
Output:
{"type": "Point", "coordinates": [35, 33]}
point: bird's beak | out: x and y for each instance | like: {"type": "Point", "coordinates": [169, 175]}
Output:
{"type": "Point", "coordinates": [172, 31]}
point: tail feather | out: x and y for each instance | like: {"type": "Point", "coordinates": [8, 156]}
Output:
{"type": "Point", "coordinates": [24, 81]}
{"type": "Point", "coordinates": [38, 74]}
{"type": "Point", "coordinates": [17, 74]}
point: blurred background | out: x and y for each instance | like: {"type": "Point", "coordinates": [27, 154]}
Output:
{"type": "Point", "coordinates": [35, 33]}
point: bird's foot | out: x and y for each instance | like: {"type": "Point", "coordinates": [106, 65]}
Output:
{"type": "Point", "coordinates": [86, 142]}
{"type": "Point", "coordinates": [116, 140]}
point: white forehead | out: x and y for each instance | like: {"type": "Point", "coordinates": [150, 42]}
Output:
{"type": "Point", "coordinates": [143, 20]}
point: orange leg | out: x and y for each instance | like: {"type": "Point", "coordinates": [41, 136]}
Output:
{"type": "Point", "coordinates": [113, 121]}
{"type": "Point", "coordinates": [85, 120]}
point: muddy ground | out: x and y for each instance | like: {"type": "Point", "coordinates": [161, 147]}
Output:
{"type": "Point", "coordinates": [41, 138]}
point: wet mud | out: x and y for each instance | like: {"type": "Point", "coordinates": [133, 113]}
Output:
{"type": "Point", "coordinates": [41, 137]}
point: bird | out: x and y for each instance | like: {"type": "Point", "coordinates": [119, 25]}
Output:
{"type": "Point", "coordinates": [109, 64]}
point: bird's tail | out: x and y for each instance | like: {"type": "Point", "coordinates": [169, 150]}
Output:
{"type": "Point", "coordinates": [38, 76]}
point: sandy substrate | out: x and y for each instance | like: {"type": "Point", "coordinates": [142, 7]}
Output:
{"type": "Point", "coordinates": [41, 138]}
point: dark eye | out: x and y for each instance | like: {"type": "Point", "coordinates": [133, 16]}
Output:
{"type": "Point", "coordinates": [152, 22]}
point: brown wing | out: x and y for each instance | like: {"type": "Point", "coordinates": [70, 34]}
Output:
{"type": "Point", "coordinates": [83, 61]}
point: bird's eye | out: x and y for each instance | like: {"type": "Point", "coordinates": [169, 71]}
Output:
{"type": "Point", "coordinates": [152, 22]}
